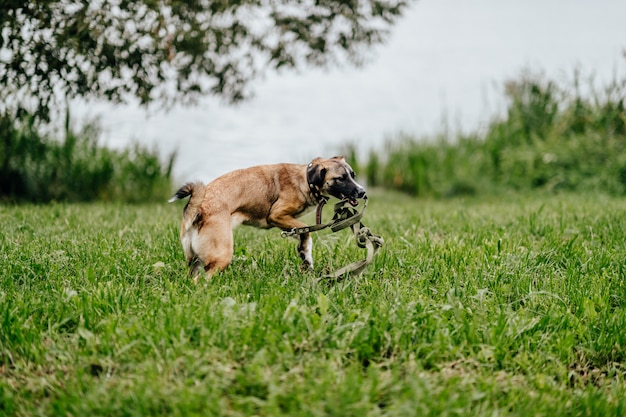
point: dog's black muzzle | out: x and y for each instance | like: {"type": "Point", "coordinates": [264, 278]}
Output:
{"type": "Point", "coordinates": [350, 191]}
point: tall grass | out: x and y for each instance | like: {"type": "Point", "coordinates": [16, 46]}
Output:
{"type": "Point", "coordinates": [39, 168]}
{"type": "Point", "coordinates": [554, 136]}
{"type": "Point", "coordinates": [482, 307]}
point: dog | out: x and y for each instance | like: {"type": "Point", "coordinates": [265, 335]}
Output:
{"type": "Point", "coordinates": [263, 196]}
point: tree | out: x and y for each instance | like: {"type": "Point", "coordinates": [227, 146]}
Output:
{"type": "Point", "coordinates": [174, 50]}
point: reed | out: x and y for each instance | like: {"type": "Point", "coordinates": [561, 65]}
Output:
{"type": "Point", "coordinates": [38, 167]}
{"type": "Point", "coordinates": [553, 136]}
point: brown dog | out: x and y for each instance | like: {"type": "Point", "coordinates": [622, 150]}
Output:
{"type": "Point", "coordinates": [263, 196]}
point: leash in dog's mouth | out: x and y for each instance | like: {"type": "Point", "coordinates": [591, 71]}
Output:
{"type": "Point", "coordinates": [346, 217]}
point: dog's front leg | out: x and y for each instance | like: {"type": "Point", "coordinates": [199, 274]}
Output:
{"type": "Point", "coordinates": [305, 247]}
{"type": "Point", "coordinates": [305, 250]}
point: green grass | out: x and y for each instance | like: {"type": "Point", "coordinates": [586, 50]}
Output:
{"type": "Point", "coordinates": [513, 305]}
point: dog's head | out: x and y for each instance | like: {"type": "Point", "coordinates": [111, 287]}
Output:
{"type": "Point", "coordinates": [334, 177]}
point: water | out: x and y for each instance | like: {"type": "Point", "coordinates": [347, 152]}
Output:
{"type": "Point", "coordinates": [444, 64]}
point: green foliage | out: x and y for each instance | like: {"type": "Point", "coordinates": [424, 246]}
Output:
{"type": "Point", "coordinates": [492, 306]}
{"type": "Point", "coordinates": [174, 50]}
{"type": "Point", "coordinates": [552, 137]}
{"type": "Point", "coordinates": [35, 167]}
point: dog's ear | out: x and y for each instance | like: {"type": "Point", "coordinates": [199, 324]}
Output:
{"type": "Point", "coordinates": [315, 175]}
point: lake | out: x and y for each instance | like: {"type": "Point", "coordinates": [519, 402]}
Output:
{"type": "Point", "coordinates": [443, 66]}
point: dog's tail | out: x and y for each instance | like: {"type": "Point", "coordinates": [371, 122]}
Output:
{"type": "Point", "coordinates": [193, 189]}
{"type": "Point", "coordinates": [189, 189]}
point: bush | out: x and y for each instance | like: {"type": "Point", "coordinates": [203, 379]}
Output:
{"type": "Point", "coordinates": [35, 167]}
{"type": "Point", "coordinates": [552, 137]}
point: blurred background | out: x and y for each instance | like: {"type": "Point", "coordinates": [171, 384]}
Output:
{"type": "Point", "coordinates": [463, 98]}
{"type": "Point", "coordinates": [443, 68]}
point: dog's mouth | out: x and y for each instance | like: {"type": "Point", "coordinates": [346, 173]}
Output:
{"type": "Point", "coordinates": [352, 200]}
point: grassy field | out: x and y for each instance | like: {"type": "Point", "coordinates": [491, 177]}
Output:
{"type": "Point", "coordinates": [514, 305]}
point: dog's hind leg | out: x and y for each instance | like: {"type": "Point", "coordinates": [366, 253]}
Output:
{"type": "Point", "coordinates": [213, 247]}
{"type": "Point", "coordinates": [195, 265]}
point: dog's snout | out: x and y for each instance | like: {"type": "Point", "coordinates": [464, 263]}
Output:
{"type": "Point", "coordinates": [360, 192]}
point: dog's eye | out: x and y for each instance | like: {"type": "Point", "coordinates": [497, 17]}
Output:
{"type": "Point", "coordinates": [343, 178]}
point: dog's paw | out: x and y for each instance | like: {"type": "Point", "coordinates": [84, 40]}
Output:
{"type": "Point", "coordinates": [306, 266]}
